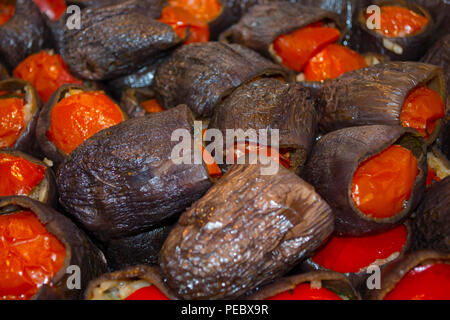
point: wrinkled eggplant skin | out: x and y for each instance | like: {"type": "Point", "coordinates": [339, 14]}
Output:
{"type": "Point", "coordinates": [259, 28]}
{"type": "Point", "coordinates": [334, 281]}
{"type": "Point", "coordinates": [27, 141]}
{"type": "Point", "coordinates": [274, 104]}
{"type": "Point", "coordinates": [122, 181]}
{"type": "Point", "coordinates": [138, 272]}
{"type": "Point", "coordinates": [374, 95]}
{"type": "Point", "coordinates": [335, 158]}
{"type": "Point", "coordinates": [131, 101]}
{"type": "Point", "coordinates": [23, 35]}
{"type": "Point", "coordinates": [439, 55]}
{"type": "Point", "coordinates": [3, 72]}
{"type": "Point", "coordinates": [392, 275]}
{"type": "Point", "coordinates": [114, 41]}
{"type": "Point", "coordinates": [80, 251]}
{"type": "Point", "coordinates": [201, 74]}
{"type": "Point", "coordinates": [443, 142]}
{"type": "Point", "coordinates": [432, 223]}
{"type": "Point", "coordinates": [247, 230]}
{"type": "Point", "coordinates": [414, 46]}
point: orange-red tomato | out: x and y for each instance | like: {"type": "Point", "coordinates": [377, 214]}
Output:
{"type": "Point", "coordinates": [46, 72]}
{"type": "Point", "coordinates": [182, 21]}
{"type": "Point", "coordinates": [79, 116]}
{"type": "Point", "coordinates": [6, 12]}
{"type": "Point", "coordinates": [383, 183]}
{"type": "Point", "coordinates": [152, 106]}
{"type": "Point", "coordinates": [19, 176]}
{"type": "Point", "coordinates": [432, 177]}
{"type": "Point", "coordinates": [29, 255]}
{"type": "Point", "coordinates": [267, 151]}
{"type": "Point", "coordinates": [204, 10]}
{"type": "Point", "coordinates": [304, 291]}
{"type": "Point", "coordinates": [147, 293]}
{"type": "Point", "coordinates": [400, 22]}
{"type": "Point", "coordinates": [333, 61]}
{"type": "Point", "coordinates": [12, 120]}
{"type": "Point", "coordinates": [297, 47]}
{"type": "Point", "coordinates": [54, 9]}
{"type": "Point", "coordinates": [429, 282]}
{"type": "Point", "coordinates": [351, 254]}
{"type": "Point", "coordinates": [422, 109]}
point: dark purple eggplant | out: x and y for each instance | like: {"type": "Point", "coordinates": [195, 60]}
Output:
{"type": "Point", "coordinates": [443, 141]}
{"type": "Point", "coordinates": [27, 141]}
{"type": "Point", "coordinates": [122, 181]}
{"type": "Point", "coordinates": [115, 40]}
{"type": "Point", "coordinates": [131, 101]}
{"type": "Point", "coordinates": [45, 191]}
{"type": "Point", "coordinates": [409, 48]}
{"type": "Point", "coordinates": [333, 281]}
{"type": "Point", "coordinates": [119, 285]}
{"type": "Point", "coordinates": [376, 95]}
{"type": "Point", "coordinates": [48, 147]}
{"type": "Point", "coordinates": [4, 74]}
{"type": "Point", "coordinates": [247, 230]}
{"type": "Point", "coordinates": [274, 104]}
{"type": "Point", "coordinates": [391, 276]}
{"type": "Point", "coordinates": [23, 35]}
{"type": "Point", "coordinates": [202, 74]}
{"type": "Point", "coordinates": [432, 222]}
{"type": "Point", "coordinates": [338, 154]}
{"type": "Point", "coordinates": [439, 55]}
{"type": "Point", "coordinates": [80, 251]}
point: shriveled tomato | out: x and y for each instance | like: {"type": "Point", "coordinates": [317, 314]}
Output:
{"type": "Point", "coordinates": [204, 10]}
{"type": "Point", "coordinates": [399, 21]}
{"type": "Point", "coordinates": [152, 106]}
{"type": "Point", "coordinates": [147, 293]}
{"type": "Point", "coordinates": [46, 72]}
{"type": "Point", "coordinates": [333, 61]}
{"type": "Point", "coordinates": [29, 255]}
{"type": "Point", "coordinates": [422, 109]}
{"type": "Point", "coordinates": [6, 12]}
{"type": "Point", "coordinates": [304, 291]}
{"type": "Point", "coordinates": [352, 254]}
{"type": "Point", "coordinates": [12, 120]}
{"type": "Point", "coordinates": [383, 183]}
{"type": "Point", "coordinates": [54, 9]}
{"type": "Point", "coordinates": [79, 116]}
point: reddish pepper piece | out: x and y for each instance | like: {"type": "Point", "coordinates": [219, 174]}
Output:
{"type": "Point", "coordinates": [152, 106]}
{"type": "Point", "coordinates": [297, 47]}
{"type": "Point", "coordinates": [304, 291]}
{"type": "Point", "coordinates": [204, 10]}
{"type": "Point", "coordinates": [333, 61]}
{"type": "Point", "coordinates": [429, 282]}
{"type": "Point", "coordinates": [351, 254]}
{"type": "Point", "coordinates": [400, 22]}
{"type": "Point", "coordinates": [432, 177]}
{"type": "Point", "coordinates": [54, 9]}
{"type": "Point", "coordinates": [383, 183]}
{"type": "Point", "coordinates": [12, 120]}
{"type": "Point", "coordinates": [6, 12]}
{"type": "Point", "coordinates": [423, 107]}
{"type": "Point", "coordinates": [147, 293]}
{"type": "Point", "coordinates": [213, 169]}
{"type": "Point", "coordinates": [182, 21]}
{"type": "Point", "coordinates": [282, 159]}
{"type": "Point", "coordinates": [29, 255]}
{"type": "Point", "coordinates": [78, 117]}
{"type": "Point", "coordinates": [19, 176]}
{"type": "Point", "coordinates": [46, 72]}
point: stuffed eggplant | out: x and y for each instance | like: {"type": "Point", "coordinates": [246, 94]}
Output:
{"type": "Point", "coordinates": [22, 33]}
{"type": "Point", "coordinates": [202, 74]}
{"type": "Point", "coordinates": [72, 115]}
{"type": "Point", "coordinates": [439, 55]}
{"type": "Point", "coordinates": [274, 104]}
{"type": "Point", "coordinates": [317, 285]}
{"type": "Point", "coordinates": [247, 230]}
{"type": "Point", "coordinates": [422, 275]}
{"type": "Point", "coordinates": [122, 181]}
{"type": "Point", "coordinates": [24, 175]}
{"type": "Point", "coordinates": [372, 176]}
{"type": "Point", "coordinates": [139, 102]}
{"type": "Point", "coordinates": [411, 94]}
{"type": "Point", "coordinates": [19, 111]}
{"type": "Point", "coordinates": [133, 283]}
{"type": "Point", "coordinates": [41, 250]}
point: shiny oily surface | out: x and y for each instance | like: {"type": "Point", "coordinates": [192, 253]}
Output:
{"type": "Point", "coordinates": [46, 72]}
{"type": "Point", "coordinates": [79, 116]}
{"type": "Point", "coordinates": [6, 12]}
{"type": "Point", "coordinates": [147, 293]}
{"type": "Point", "coordinates": [12, 120]}
{"type": "Point", "coordinates": [423, 107]}
{"type": "Point", "coordinates": [382, 184]}
{"type": "Point", "coordinates": [18, 175]}
{"type": "Point", "coordinates": [428, 282]}
{"type": "Point", "coordinates": [353, 254]}
{"type": "Point", "coordinates": [400, 22]}
{"type": "Point", "coordinates": [204, 10]}
{"type": "Point", "coordinates": [30, 256]}
{"type": "Point", "coordinates": [305, 291]}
